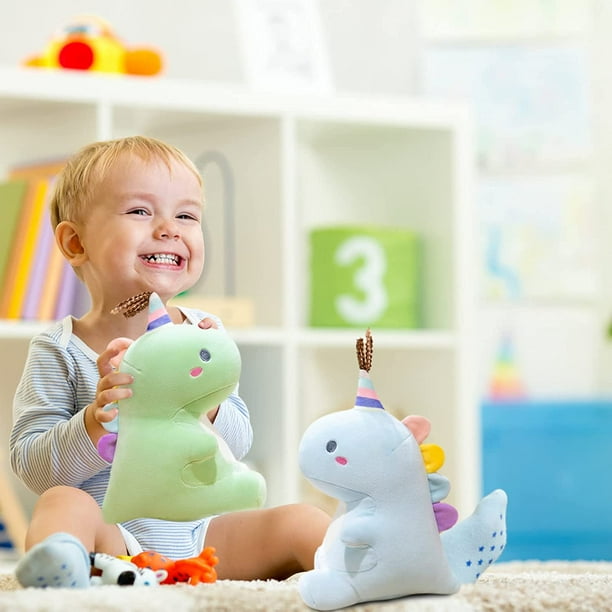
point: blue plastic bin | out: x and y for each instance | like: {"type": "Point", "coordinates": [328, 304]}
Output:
{"type": "Point", "coordinates": [554, 459]}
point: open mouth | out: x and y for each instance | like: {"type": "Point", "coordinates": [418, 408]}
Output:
{"type": "Point", "coordinates": [166, 259]}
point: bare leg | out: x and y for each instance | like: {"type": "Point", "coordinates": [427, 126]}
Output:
{"type": "Point", "coordinates": [70, 510]}
{"type": "Point", "coordinates": [269, 543]}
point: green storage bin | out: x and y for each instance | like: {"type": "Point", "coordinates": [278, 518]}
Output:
{"type": "Point", "coordinates": [365, 276]}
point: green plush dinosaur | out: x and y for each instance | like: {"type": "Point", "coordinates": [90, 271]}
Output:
{"type": "Point", "coordinates": [169, 463]}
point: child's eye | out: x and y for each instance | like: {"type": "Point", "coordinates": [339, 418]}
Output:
{"type": "Point", "coordinates": [188, 216]}
{"type": "Point", "coordinates": [137, 211]}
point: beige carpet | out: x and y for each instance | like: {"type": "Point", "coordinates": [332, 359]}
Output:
{"type": "Point", "coordinates": [560, 586]}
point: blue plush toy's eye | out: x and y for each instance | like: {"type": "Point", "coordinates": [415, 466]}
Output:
{"type": "Point", "coordinates": [331, 446]}
{"type": "Point", "coordinates": [204, 355]}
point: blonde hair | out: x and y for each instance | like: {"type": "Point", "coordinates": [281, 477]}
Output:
{"type": "Point", "coordinates": [77, 183]}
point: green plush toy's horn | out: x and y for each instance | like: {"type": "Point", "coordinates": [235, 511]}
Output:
{"type": "Point", "coordinates": [158, 315]}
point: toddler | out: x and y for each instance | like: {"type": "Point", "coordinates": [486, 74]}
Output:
{"type": "Point", "coordinates": [127, 216]}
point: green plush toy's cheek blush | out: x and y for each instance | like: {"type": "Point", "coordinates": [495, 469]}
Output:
{"type": "Point", "coordinates": [195, 372]}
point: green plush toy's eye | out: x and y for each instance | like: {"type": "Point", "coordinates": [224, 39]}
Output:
{"type": "Point", "coordinates": [204, 355]}
{"type": "Point", "coordinates": [331, 446]}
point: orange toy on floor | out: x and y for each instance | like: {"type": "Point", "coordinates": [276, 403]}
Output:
{"type": "Point", "coordinates": [192, 571]}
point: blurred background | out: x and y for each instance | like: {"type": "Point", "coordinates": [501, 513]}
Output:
{"type": "Point", "coordinates": [537, 79]}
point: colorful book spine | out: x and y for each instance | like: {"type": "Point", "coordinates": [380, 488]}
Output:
{"type": "Point", "coordinates": [12, 196]}
{"type": "Point", "coordinates": [15, 282]}
{"type": "Point", "coordinates": [34, 264]}
{"type": "Point", "coordinates": [27, 252]}
{"type": "Point", "coordinates": [45, 240]}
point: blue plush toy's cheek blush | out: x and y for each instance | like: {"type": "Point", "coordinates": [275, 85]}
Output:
{"type": "Point", "coordinates": [195, 372]}
{"type": "Point", "coordinates": [341, 460]}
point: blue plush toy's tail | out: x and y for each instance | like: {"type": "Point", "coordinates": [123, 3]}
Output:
{"type": "Point", "coordinates": [476, 543]}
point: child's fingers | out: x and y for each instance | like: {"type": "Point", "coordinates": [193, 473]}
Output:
{"type": "Point", "coordinates": [207, 323]}
{"type": "Point", "coordinates": [106, 403]}
{"type": "Point", "coordinates": [114, 379]}
{"type": "Point", "coordinates": [112, 395]}
{"type": "Point", "coordinates": [111, 389]}
{"type": "Point", "coordinates": [106, 414]}
{"type": "Point", "coordinates": [110, 358]}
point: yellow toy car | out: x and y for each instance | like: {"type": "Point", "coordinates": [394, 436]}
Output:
{"type": "Point", "coordinates": [89, 43]}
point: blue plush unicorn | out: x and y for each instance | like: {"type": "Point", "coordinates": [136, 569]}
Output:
{"type": "Point", "coordinates": [385, 542]}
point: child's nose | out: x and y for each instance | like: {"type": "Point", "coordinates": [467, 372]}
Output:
{"type": "Point", "coordinates": [168, 228]}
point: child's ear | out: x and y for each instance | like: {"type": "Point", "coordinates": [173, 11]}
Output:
{"type": "Point", "coordinates": [69, 243]}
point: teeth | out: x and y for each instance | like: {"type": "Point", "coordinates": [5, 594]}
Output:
{"type": "Point", "coordinates": [162, 258]}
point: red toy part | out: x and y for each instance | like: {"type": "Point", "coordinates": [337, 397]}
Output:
{"type": "Point", "coordinates": [77, 55]}
{"type": "Point", "coordinates": [192, 571]}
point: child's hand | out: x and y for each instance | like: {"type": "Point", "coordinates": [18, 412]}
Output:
{"type": "Point", "coordinates": [207, 323]}
{"type": "Point", "coordinates": [109, 389]}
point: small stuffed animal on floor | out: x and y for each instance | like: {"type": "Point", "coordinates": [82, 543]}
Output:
{"type": "Point", "coordinates": [169, 462]}
{"type": "Point", "coordinates": [192, 571]}
{"type": "Point", "coordinates": [123, 573]}
{"type": "Point", "coordinates": [386, 543]}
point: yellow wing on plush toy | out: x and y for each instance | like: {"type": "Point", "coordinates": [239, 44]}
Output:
{"type": "Point", "coordinates": [433, 457]}
{"type": "Point", "coordinates": [88, 43]}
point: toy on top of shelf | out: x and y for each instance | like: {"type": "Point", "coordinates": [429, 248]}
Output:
{"type": "Point", "coordinates": [89, 43]}
{"type": "Point", "coordinates": [169, 462]}
{"type": "Point", "coordinates": [385, 542]}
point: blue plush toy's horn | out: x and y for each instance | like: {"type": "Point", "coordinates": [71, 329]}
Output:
{"type": "Point", "coordinates": [366, 395]}
{"type": "Point", "coordinates": [158, 315]}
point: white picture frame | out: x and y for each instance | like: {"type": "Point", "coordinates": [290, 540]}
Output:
{"type": "Point", "coordinates": [283, 46]}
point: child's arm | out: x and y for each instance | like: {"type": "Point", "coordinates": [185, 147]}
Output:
{"type": "Point", "coordinates": [233, 424]}
{"type": "Point", "coordinates": [49, 444]}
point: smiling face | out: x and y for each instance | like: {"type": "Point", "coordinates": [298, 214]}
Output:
{"type": "Point", "coordinates": [180, 367]}
{"type": "Point", "coordinates": [143, 231]}
{"type": "Point", "coordinates": [360, 452]}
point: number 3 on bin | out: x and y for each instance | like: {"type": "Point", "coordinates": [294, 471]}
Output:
{"type": "Point", "coordinates": [368, 279]}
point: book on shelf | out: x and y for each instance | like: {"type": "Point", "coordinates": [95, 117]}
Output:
{"type": "Point", "coordinates": [12, 193]}
{"type": "Point", "coordinates": [23, 251]}
{"type": "Point", "coordinates": [45, 239]}
{"type": "Point", "coordinates": [36, 283]}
